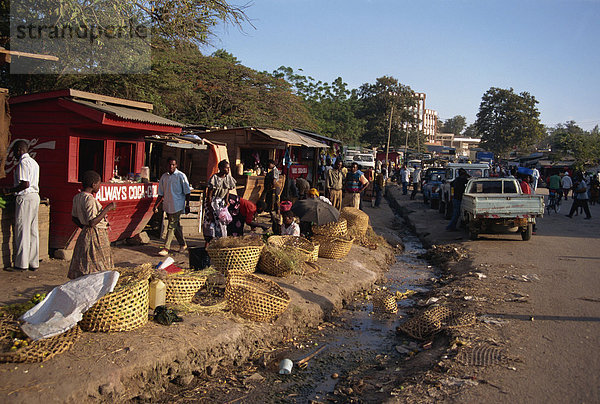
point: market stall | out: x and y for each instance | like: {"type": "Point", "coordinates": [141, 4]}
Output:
{"type": "Point", "coordinates": [70, 132]}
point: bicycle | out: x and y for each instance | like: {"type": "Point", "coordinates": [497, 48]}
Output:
{"type": "Point", "coordinates": [553, 201]}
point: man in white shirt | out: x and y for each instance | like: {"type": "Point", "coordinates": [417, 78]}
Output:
{"type": "Point", "coordinates": [27, 203]}
{"type": "Point", "coordinates": [174, 192]}
{"type": "Point", "coordinates": [566, 183]}
{"type": "Point", "coordinates": [536, 177]}
{"type": "Point", "coordinates": [416, 180]}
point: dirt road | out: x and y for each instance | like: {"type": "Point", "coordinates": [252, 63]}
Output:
{"type": "Point", "coordinates": [542, 302]}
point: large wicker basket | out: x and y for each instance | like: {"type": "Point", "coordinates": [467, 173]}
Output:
{"type": "Point", "coordinates": [41, 350]}
{"type": "Point", "coordinates": [282, 261]}
{"type": "Point", "coordinates": [255, 298]}
{"type": "Point", "coordinates": [122, 310]}
{"type": "Point", "coordinates": [239, 259]}
{"type": "Point", "coordinates": [182, 287]}
{"type": "Point", "coordinates": [333, 247]}
{"type": "Point", "coordinates": [296, 242]}
{"type": "Point", "coordinates": [358, 221]}
{"type": "Point", "coordinates": [339, 228]}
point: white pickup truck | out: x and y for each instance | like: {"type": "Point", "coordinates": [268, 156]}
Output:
{"type": "Point", "coordinates": [497, 205]}
{"type": "Point", "coordinates": [445, 191]}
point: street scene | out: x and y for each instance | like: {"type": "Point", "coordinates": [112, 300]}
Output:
{"type": "Point", "coordinates": [299, 203]}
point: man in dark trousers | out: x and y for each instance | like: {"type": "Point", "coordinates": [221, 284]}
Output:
{"type": "Point", "coordinates": [458, 185]}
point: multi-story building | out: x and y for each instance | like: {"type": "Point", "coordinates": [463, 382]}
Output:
{"type": "Point", "coordinates": [430, 118]}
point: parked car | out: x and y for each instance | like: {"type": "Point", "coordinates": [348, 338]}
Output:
{"type": "Point", "coordinates": [364, 160]}
{"type": "Point", "coordinates": [474, 170]}
{"type": "Point", "coordinates": [432, 182]}
{"type": "Point", "coordinates": [498, 205]}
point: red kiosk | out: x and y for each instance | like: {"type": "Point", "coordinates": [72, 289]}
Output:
{"type": "Point", "coordinates": [70, 132]}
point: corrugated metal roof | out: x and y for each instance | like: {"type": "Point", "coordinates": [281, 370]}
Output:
{"type": "Point", "coordinates": [317, 136]}
{"type": "Point", "coordinates": [131, 114]}
{"type": "Point", "coordinates": [294, 138]}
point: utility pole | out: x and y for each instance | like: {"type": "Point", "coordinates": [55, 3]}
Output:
{"type": "Point", "coordinates": [387, 148]}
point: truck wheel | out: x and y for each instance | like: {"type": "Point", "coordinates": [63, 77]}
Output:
{"type": "Point", "coordinates": [434, 203]}
{"type": "Point", "coordinates": [526, 234]}
{"type": "Point", "coordinates": [473, 235]}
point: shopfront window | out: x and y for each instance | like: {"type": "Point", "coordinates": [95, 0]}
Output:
{"type": "Point", "coordinates": [91, 156]}
{"type": "Point", "coordinates": [124, 158]}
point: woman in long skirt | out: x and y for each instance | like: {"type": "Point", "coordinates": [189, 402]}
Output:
{"type": "Point", "coordinates": [92, 249]}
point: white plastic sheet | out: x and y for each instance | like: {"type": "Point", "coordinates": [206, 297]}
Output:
{"type": "Point", "coordinates": [65, 305]}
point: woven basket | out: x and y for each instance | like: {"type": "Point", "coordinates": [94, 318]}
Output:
{"type": "Point", "coordinates": [182, 287]}
{"type": "Point", "coordinates": [358, 221]}
{"type": "Point", "coordinates": [44, 349]}
{"type": "Point", "coordinates": [123, 310]}
{"type": "Point", "coordinates": [297, 242]}
{"type": "Point", "coordinates": [314, 255]}
{"type": "Point", "coordinates": [333, 247]}
{"type": "Point", "coordinates": [385, 302]}
{"type": "Point", "coordinates": [339, 228]}
{"type": "Point", "coordinates": [238, 259]}
{"type": "Point", "coordinates": [271, 262]}
{"type": "Point", "coordinates": [255, 298]}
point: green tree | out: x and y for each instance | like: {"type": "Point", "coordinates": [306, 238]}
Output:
{"type": "Point", "coordinates": [568, 140]}
{"type": "Point", "coordinates": [508, 121]}
{"type": "Point", "coordinates": [377, 100]}
{"type": "Point", "coordinates": [455, 125]}
{"type": "Point", "coordinates": [191, 88]}
{"type": "Point", "coordinates": [471, 131]}
{"type": "Point", "coordinates": [333, 106]}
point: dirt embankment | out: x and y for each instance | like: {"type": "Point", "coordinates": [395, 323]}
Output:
{"type": "Point", "coordinates": [142, 363]}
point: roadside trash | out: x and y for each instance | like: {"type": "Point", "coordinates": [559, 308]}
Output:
{"type": "Point", "coordinates": [491, 320]}
{"type": "Point", "coordinates": [303, 362]}
{"type": "Point", "coordinates": [285, 366]}
{"type": "Point", "coordinates": [480, 275]}
{"type": "Point", "coordinates": [401, 295]}
{"type": "Point", "coordinates": [402, 350]}
{"type": "Point", "coordinates": [335, 376]}
{"type": "Point", "coordinates": [517, 297]}
{"type": "Point", "coordinates": [255, 378]}
{"type": "Point", "coordinates": [165, 316]}
{"type": "Point", "coordinates": [523, 278]}
{"type": "Point", "coordinates": [456, 382]}
{"type": "Point", "coordinates": [468, 298]}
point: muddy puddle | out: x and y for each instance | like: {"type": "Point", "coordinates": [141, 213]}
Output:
{"type": "Point", "coordinates": [357, 356]}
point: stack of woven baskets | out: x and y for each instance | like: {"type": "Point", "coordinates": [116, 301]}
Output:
{"type": "Point", "coordinates": [333, 239]}
{"type": "Point", "coordinates": [357, 221]}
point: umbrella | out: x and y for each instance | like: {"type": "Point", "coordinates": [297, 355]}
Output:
{"type": "Point", "coordinates": [316, 211]}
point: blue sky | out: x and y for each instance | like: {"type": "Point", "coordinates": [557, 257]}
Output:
{"type": "Point", "coordinates": [453, 50]}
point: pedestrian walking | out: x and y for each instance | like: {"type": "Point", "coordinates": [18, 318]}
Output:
{"type": "Point", "coordinates": [27, 203]}
{"type": "Point", "coordinates": [458, 185]}
{"type": "Point", "coordinates": [355, 184]}
{"type": "Point", "coordinates": [535, 176]}
{"type": "Point", "coordinates": [334, 184]}
{"type": "Point", "coordinates": [174, 193]}
{"type": "Point", "coordinates": [416, 181]}
{"type": "Point", "coordinates": [566, 183]}
{"type": "Point", "coordinates": [580, 198]}
{"type": "Point", "coordinates": [404, 178]}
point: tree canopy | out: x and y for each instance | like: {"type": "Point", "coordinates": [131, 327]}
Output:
{"type": "Point", "coordinates": [570, 141]}
{"type": "Point", "coordinates": [508, 121]}
{"type": "Point", "coordinates": [377, 100]}
{"type": "Point", "coordinates": [455, 125]}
